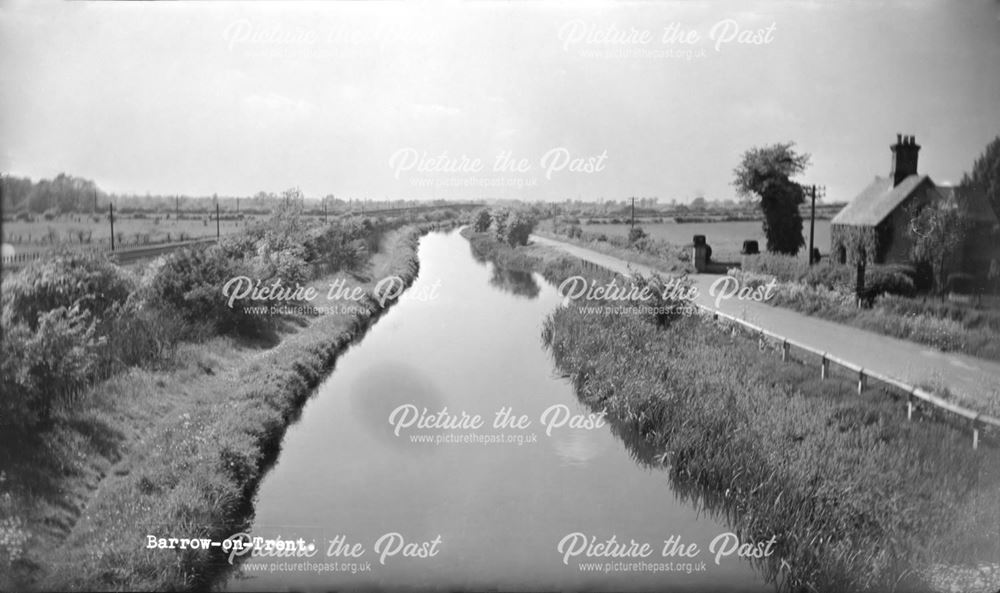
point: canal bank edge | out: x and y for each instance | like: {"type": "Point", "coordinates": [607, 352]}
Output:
{"type": "Point", "coordinates": [802, 485]}
{"type": "Point", "coordinates": [228, 449]}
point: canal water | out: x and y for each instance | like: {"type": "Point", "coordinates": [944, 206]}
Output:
{"type": "Point", "coordinates": [486, 506]}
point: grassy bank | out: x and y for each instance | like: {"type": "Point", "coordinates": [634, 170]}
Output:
{"type": "Point", "coordinates": [859, 498]}
{"type": "Point", "coordinates": [174, 447]}
{"type": "Point", "coordinates": [827, 291]}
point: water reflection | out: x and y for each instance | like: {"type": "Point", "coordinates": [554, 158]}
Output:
{"type": "Point", "coordinates": [515, 282]}
{"type": "Point", "coordinates": [512, 279]}
{"type": "Point", "coordinates": [382, 388]}
{"type": "Point", "coordinates": [500, 506]}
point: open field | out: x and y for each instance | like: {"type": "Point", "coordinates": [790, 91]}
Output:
{"type": "Point", "coordinates": [93, 231]}
{"type": "Point", "coordinates": [79, 231]}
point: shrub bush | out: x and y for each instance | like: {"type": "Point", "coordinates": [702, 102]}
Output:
{"type": "Point", "coordinates": [889, 280]}
{"type": "Point", "coordinates": [513, 227]}
{"type": "Point", "coordinates": [664, 308]}
{"type": "Point", "coordinates": [482, 221]}
{"type": "Point", "coordinates": [43, 367]}
{"type": "Point", "coordinates": [142, 335]}
{"type": "Point", "coordinates": [284, 262]}
{"type": "Point", "coordinates": [91, 282]}
{"type": "Point", "coordinates": [829, 276]}
{"type": "Point", "coordinates": [190, 281]}
{"type": "Point", "coordinates": [879, 279]}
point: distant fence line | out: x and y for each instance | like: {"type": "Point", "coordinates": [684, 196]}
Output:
{"type": "Point", "coordinates": [976, 421]}
{"type": "Point", "coordinates": [102, 245]}
{"type": "Point", "coordinates": [126, 251]}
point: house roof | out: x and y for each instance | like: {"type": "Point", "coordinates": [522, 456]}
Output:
{"type": "Point", "coordinates": [878, 200]}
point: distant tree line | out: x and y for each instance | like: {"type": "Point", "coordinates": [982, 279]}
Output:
{"type": "Point", "coordinates": [67, 193]}
{"type": "Point", "coordinates": [64, 193]}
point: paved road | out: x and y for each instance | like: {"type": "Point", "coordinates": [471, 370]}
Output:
{"type": "Point", "coordinates": [907, 361]}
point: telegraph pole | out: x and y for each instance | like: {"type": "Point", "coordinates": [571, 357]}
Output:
{"type": "Point", "coordinates": [813, 191]}
{"type": "Point", "coordinates": [633, 211]}
{"type": "Point", "coordinates": [111, 217]}
{"type": "Point", "coordinates": [218, 234]}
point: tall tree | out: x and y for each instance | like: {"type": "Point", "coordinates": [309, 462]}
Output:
{"type": "Point", "coordinates": [985, 174]}
{"type": "Point", "coordinates": [482, 221]}
{"type": "Point", "coordinates": [938, 231]}
{"type": "Point", "coordinates": [764, 175]}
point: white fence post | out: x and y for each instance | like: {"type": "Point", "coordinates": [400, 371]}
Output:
{"type": "Point", "coordinates": [977, 421]}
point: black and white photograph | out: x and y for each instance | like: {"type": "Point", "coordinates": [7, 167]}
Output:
{"type": "Point", "coordinates": [695, 296]}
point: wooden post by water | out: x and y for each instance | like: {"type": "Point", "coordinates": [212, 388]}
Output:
{"type": "Point", "coordinates": [862, 381]}
{"type": "Point", "coordinates": [824, 367]}
{"type": "Point", "coordinates": [784, 350]}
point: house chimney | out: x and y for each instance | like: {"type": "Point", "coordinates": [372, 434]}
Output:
{"type": "Point", "coordinates": [904, 158]}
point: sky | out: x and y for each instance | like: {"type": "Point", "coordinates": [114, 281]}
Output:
{"type": "Point", "coordinates": [472, 100]}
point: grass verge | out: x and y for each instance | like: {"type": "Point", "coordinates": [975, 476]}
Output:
{"type": "Point", "coordinates": [173, 450]}
{"type": "Point", "coordinates": [827, 291]}
{"type": "Point", "coordinates": [859, 498]}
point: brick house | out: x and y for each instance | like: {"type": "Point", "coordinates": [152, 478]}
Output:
{"type": "Point", "coordinates": [875, 227]}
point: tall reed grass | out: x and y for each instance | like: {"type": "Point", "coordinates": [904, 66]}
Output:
{"type": "Point", "coordinates": [859, 498]}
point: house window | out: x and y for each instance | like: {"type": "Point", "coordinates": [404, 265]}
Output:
{"type": "Point", "coordinates": [841, 254]}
